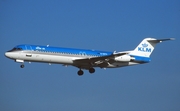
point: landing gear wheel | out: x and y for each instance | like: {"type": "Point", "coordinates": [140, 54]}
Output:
{"type": "Point", "coordinates": [80, 72]}
{"type": "Point", "coordinates": [91, 70]}
{"type": "Point", "coordinates": [22, 66]}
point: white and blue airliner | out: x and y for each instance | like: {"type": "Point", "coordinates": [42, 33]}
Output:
{"type": "Point", "coordinates": [84, 59]}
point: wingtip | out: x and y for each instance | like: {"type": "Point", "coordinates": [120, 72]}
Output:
{"type": "Point", "coordinates": [172, 38]}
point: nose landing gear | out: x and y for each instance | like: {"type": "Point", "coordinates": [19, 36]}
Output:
{"type": "Point", "coordinates": [22, 65]}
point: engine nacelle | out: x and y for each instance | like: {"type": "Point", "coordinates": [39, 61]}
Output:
{"type": "Point", "coordinates": [123, 58]}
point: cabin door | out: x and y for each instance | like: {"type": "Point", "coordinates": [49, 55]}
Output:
{"type": "Point", "coordinates": [29, 51]}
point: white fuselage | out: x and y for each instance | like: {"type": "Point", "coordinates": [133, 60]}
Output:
{"type": "Point", "coordinates": [56, 58]}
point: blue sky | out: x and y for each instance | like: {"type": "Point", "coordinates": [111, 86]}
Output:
{"type": "Point", "coordinates": [97, 24]}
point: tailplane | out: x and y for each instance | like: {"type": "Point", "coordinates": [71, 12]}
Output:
{"type": "Point", "coordinates": [146, 47]}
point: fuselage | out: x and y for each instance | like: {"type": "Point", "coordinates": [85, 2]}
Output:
{"type": "Point", "coordinates": [58, 55]}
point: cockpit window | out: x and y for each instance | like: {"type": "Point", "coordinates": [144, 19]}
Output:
{"type": "Point", "coordinates": [15, 49]}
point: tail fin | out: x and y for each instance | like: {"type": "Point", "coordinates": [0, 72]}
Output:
{"type": "Point", "coordinates": [146, 47]}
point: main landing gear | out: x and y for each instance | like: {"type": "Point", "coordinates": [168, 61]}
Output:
{"type": "Point", "coordinates": [80, 72]}
{"type": "Point", "coordinates": [91, 70]}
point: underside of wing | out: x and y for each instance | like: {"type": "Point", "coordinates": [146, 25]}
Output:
{"type": "Point", "coordinates": [102, 61]}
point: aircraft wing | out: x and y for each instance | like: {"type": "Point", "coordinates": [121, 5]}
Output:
{"type": "Point", "coordinates": [97, 61]}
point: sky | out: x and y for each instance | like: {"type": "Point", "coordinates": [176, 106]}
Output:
{"type": "Point", "coordinates": [108, 25]}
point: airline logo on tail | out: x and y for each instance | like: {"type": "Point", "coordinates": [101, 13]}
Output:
{"type": "Point", "coordinates": [144, 48]}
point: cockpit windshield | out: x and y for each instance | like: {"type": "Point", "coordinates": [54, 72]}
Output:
{"type": "Point", "coordinates": [15, 49]}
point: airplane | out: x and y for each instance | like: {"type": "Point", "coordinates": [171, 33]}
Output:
{"type": "Point", "coordinates": [84, 59]}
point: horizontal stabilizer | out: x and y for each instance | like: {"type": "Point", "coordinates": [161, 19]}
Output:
{"type": "Point", "coordinates": [160, 40]}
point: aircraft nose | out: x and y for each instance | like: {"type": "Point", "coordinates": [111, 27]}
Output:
{"type": "Point", "coordinates": [11, 55]}
{"type": "Point", "coordinates": [7, 54]}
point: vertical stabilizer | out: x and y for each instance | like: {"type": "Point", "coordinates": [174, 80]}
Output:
{"type": "Point", "coordinates": [146, 47]}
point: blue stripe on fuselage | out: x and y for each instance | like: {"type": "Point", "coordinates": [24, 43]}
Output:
{"type": "Point", "coordinates": [64, 50]}
{"type": "Point", "coordinates": [141, 59]}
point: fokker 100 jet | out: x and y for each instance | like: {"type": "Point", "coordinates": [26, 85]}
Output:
{"type": "Point", "coordinates": [84, 59]}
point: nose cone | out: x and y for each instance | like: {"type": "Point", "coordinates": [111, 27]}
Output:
{"type": "Point", "coordinates": [12, 55]}
{"type": "Point", "coordinates": [8, 54]}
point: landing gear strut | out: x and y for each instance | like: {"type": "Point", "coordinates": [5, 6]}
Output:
{"type": "Point", "coordinates": [80, 72]}
{"type": "Point", "coordinates": [91, 70]}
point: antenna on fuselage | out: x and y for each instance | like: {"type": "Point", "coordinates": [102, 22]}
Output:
{"type": "Point", "coordinates": [48, 45]}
